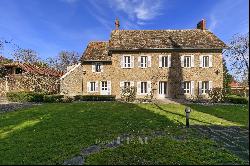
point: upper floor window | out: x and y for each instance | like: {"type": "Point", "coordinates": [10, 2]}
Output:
{"type": "Point", "coordinates": [187, 61]}
{"type": "Point", "coordinates": [187, 87]}
{"type": "Point", "coordinates": [165, 61]}
{"type": "Point", "coordinates": [97, 67]}
{"type": "Point", "coordinates": [18, 71]}
{"type": "Point", "coordinates": [144, 61]}
{"type": "Point", "coordinates": [206, 61]}
{"type": "Point", "coordinates": [127, 61]}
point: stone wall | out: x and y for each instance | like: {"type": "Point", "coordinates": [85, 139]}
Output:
{"type": "Point", "coordinates": [71, 82]}
{"type": "Point", "coordinates": [29, 82]}
{"type": "Point", "coordinates": [174, 75]}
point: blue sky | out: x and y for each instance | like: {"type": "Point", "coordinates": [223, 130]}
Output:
{"type": "Point", "coordinates": [49, 26]}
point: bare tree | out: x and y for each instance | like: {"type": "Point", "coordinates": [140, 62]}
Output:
{"type": "Point", "coordinates": [238, 55]}
{"type": "Point", "coordinates": [25, 55]}
{"type": "Point", "coordinates": [63, 60]}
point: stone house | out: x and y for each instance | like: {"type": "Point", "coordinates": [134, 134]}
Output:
{"type": "Point", "coordinates": [165, 63]}
{"type": "Point", "coordinates": [28, 77]}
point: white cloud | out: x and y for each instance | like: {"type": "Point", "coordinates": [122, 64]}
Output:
{"type": "Point", "coordinates": [138, 9]}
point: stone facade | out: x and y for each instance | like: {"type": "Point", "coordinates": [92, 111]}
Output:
{"type": "Point", "coordinates": [77, 81]}
{"type": "Point", "coordinates": [72, 82]}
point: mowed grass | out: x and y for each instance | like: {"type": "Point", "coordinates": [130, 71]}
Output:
{"type": "Point", "coordinates": [52, 133]}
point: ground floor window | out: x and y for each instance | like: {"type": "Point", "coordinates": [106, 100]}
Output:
{"type": "Point", "coordinates": [92, 87]}
{"type": "Point", "coordinates": [187, 87]}
{"type": "Point", "coordinates": [205, 87]}
{"type": "Point", "coordinates": [144, 89]}
{"type": "Point", "coordinates": [126, 84]}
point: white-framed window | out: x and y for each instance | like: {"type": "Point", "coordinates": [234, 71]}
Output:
{"type": "Point", "coordinates": [97, 67]}
{"type": "Point", "coordinates": [205, 87]}
{"type": "Point", "coordinates": [206, 61]}
{"type": "Point", "coordinates": [187, 61]}
{"type": "Point", "coordinates": [165, 61]}
{"type": "Point", "coordinates": [187, 87]}
{"type": "Point", "coordinates": [127, 61]}
{"type": "Point", "coordinates": [92, 86]}
{"type": "Point", "coordinates": [126, 84]}
{"type": "Point", "coordinates": [144, 61]}
{"type": "Point", "coordinates": [144, 88]}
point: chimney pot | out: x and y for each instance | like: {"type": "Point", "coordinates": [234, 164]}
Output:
{"type": "Point", "coordinates": [202, 25]}
{"type": "Point", "coordinates": [117, 24]}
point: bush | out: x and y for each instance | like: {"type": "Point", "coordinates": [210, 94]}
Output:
{"type": "Point", "coordinates": [67, 99]}
{"type": "Point", "coordinates": [128, 94]}
{"type": "Point", "coordinates": [94, 98]}
{"type": "Point", "coordinates": [25, 96]}
{"type": "Point", "coordinates": [217, 95]}
{"type": "Point", "coordinates": [236, 99]}
{"type": "Point", "coordinates": [53, 98]}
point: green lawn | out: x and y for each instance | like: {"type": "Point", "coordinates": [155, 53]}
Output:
{"type": "Point", "coordinates": [52, 133]}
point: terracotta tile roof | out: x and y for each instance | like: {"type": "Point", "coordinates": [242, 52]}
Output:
{"type": "Point", "coordinates": [36, 69]}
{"type": "Point", "coordinates": [234, 84]}
{"type": "Point", "coordinates": [164, 39]}
{"type": "Point", "coordinates": [96, 51]}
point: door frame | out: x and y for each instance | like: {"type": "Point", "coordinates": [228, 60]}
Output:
{"type": "Point", "coordinates": [104, 92]}
{"type": "Point", "coordinates": [160, 86]}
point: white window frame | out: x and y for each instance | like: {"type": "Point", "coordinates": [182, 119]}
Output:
{"type": "Point", "coordinates": [162, 61]}
{"type": "Point", "coordinates": [144, 87]}
{"type": "Point", "coordinates": [127, 64]}
{"type": "Point", "coordinates": [187, 60]}
{"type": "Point", "coordinates": [209, 62]}
{"type": "Point", "coordinates": [92, 89]}
{"type": "Point", "coordinates": [204, 87]}
{"type": "Point", "coordinates": [143, 61]}
{"type": "Point", "coordinates": [187, 90]}
{"type": "Point", "coordinates": [100, 67]}
{"type": "Point", "coordinates": [204, 64]}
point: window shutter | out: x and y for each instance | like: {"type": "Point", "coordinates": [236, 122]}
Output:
{"type": "Point", "coordinates": [192, 60]}
{"type": "Point", "coordinates": [132, 61]}
{"type": "Point", "coordinates": [160, 60]}
{"type": "Point", "coordinates": [101, 67]}
{"type": "Point", "coordinates": [96, 86]}
{"type": "Point", "coordinates": [192, 87]}
{"type": "Point", "coordinates": [132, 83]}
{"type": "Point", "coordinates": [149, 86]}
{"type": "Point", "coordinates": [139, 88]}
{"type": "Point", "coordinates": [210, 85]}
{"type": "Point", "coordinates": [139, 61]}
{"type": "Point", "coordinates": [182, 61]}
{"type": "Point", "coordinates": [210, 61]}
{"type": "Point", "coordinates": [201, 61]}
{"type": "Point", "coordinates": [88, 86]}
{"type": "Point", "coordinates": [122, 61]}
{"type": "Point", "coordinates": [182, 84]}
{"type": "Point", "coordinates": [122, 84]}
{"type": "Point", "coordinates": [109, 87]}
{"type": "Point", "coordinates": [149, 61]}
{"type": "Point", "coordinates": [169, 60]}
{"type": "Point", "coordinates": [200, 86]}
{"type": "Point", "coordinates": [93, 67]}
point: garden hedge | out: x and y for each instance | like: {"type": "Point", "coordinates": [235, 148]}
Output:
{"type": "Point", "coordinates": [94, 98]}
{"type": "Point", "coordinates": [236, 99]}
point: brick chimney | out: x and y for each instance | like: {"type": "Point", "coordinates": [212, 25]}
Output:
{"type": "Point", "coordinates": [117, 24]}
{"type": "Point", "coordinates": [202, 25]}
